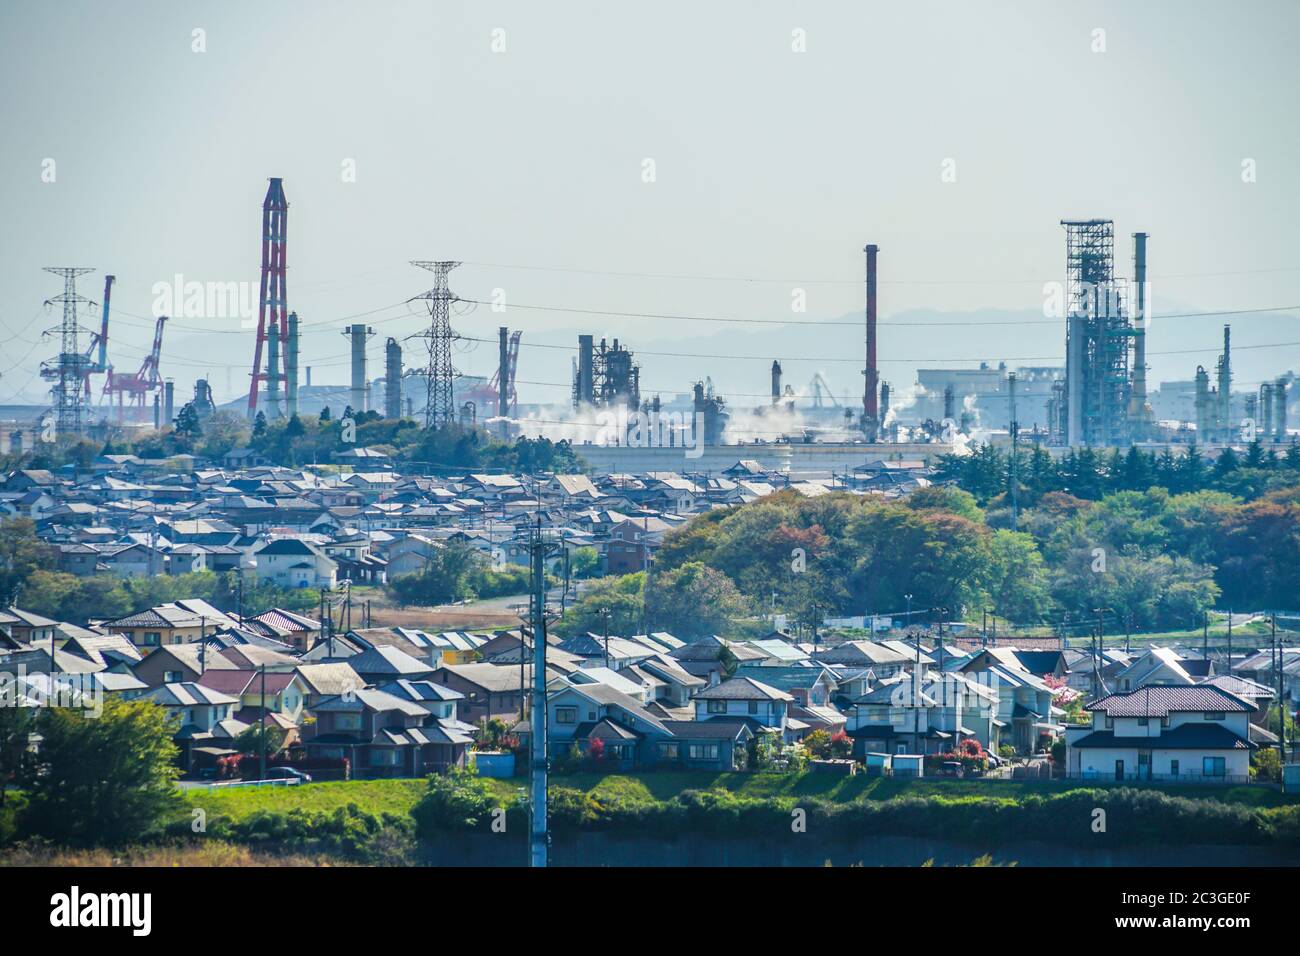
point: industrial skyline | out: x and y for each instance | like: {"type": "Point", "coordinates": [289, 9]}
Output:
{"type": "Point", "coordinates": [967, 220]}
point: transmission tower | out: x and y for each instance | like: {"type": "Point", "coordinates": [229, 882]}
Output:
{"type": "Point", "coordinates": [440, 408]}
{"type": "Point", "coordinates": [69, 369]}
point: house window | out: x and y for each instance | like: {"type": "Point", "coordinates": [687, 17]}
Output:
{"type": "Point", "coordinates": [1213, 766]}
{"type": "Point", "coordinates": [1142, 721]}
{"type": "Point", "coordinates": [347, 721]}
{"type": "Point", "coordinates": [566, 715]}
{"type": "Point", "coordinates": [172, 677]}
{"type": "Point", "coordinates": [383, 757]}
{"type": "Point", "coordinates": [716, 706]}
{"type": "Point", "coordinates": [703, 751]}
{"type": "Point", "coordinates": [152, 638]}
{"type": "Point", "coordinates": [753, 707]}
{"type": "Point", "coordinates": [1214, 715]}
{"type": "Point", "coordinates": [1164, 721]}
{"type": "Point", "coordinates": [668, 751]}
{"type": "Point", "coordinates": [1110, 722]}
{"type": "Point", "coordinates": [1173, 768]}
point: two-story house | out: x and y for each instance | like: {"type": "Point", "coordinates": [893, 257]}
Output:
{"type": "Point", "coordinates": [745, 697]}
{"type": "Point", "coordinates": [932, 715]}
{"type": "Point", "coordinates": [206, 718]}
{"type": "Point", "coordinates": [383, 735]}
{"type": "Point", "coordinates": [295, 563]}
{"type": "Point", "coordinates": [1199, 733]}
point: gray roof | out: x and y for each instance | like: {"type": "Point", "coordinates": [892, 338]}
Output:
{"type": "Point", "coordinates": [1159, 700]}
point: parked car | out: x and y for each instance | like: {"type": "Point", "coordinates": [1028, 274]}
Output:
{"type": "Point", "coordinates": [952, 768]}
{"type": "Point", "coordinates": [288, 773]}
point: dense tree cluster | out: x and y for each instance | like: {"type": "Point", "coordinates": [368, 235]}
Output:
{"type": "Point", "coordinates": [1155, 559]}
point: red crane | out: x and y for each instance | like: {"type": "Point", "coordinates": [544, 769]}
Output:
{"type": "Point", "coordinates": [132, 389]}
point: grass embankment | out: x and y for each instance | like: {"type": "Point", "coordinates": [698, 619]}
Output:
{"type": "Point", "coordinates": [399, 796]}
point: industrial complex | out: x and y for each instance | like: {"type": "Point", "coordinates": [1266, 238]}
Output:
{"type": "Point", "coordinates": [1097, 397]}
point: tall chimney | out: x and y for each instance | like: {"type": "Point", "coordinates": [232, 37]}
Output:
{"type": "Point", "coordinates": [1279, 409]}
{"type": "Point", "coordinates": [1139, 409]}
{"type": "Point", "coordinates": [776, 382]}
{"type": "Point", "coordinates": [273, 370]}
{"type": "Point", "coordinates": [870, 394]}
{"type": "Point", "coordinates": [583, 391]}
{"type": "Point", "coordinates": [291, 366]}
{"type": "Point", "coordinates": [1225, 388]}
{"type": "Point", "coordinates": [392, 379]}
{"type": "Point", "coordinates": [169, 401]}
{"type": "Point", "coordinates": [503, 371]}
{"type": "Point", "coordinates": [358, 335]}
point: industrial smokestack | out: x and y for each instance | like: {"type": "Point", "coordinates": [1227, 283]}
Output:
{"type": "Point", "coordinates": [169, 401]}
{"type": "Point", "coordinates": [870, 408]}
{"type": "Point", "coordinates": [291, 366]}
{"type": "Point", "coordinates": [503, 371]}
{"type": "Point", "coordinates": [393, 379]}
{"type": "Point", "coordinates": [1139, 409]}
{"type": "Point", "coordinates": [1279, 409]}
{"type": "Point", "coordinates": [949, 403]}
{"type": "Point", "coordinates": [884, 406]}
{"type": "Point", "coordinates": [1225, 388]}
{"type": "Point", "coordinates": [273, 370]}
{"type": "Point", "coordinates": [157, 412]}
{"type": "Point", "coordinates": [360, 386]}
{"type": "Point", "coordinates": [309, 376]}
{"type": "Point", "coordinates": [776, 382]}
{"type": "Point", "coordinates": [1202, 404]}
{"type": "Point", "coordinates": [583, 391]}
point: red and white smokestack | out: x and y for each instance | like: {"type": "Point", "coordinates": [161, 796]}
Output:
{"type": "Point", "coordinates": [871, 392]}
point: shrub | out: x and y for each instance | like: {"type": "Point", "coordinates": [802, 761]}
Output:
{"type": "Point", "coordinates": [460, 800]}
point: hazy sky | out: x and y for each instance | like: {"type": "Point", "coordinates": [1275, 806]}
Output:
{"type": "Point", "coordinates": [772, 169]}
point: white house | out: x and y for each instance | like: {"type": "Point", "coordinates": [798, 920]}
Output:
{"type": "Point", "coordinates": [1198, 733]}
{"type": "Point", "coordinates": [294, 563]}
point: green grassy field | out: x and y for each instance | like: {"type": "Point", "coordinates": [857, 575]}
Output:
{"type": "Point", "coordinates": [399, 796]}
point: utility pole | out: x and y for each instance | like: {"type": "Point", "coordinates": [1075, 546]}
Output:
{"type": "Point", "coordinates": [1281, 706]}
{"type": "Point", "coordinates": [262, 772]}
{"type": "Point", "coordinates": [1229, 642]}
{"type": "Point", "coordinates": [539, 841]}
{"type": "Point", "coordinates": [816, 620]}
{"type": "Point", "coordinates": [1014, 428]}
{"type": "Point", "coordinates": [604, 613]}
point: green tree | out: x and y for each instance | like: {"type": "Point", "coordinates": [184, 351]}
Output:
{"type": "Point", "coordinates": [693, 601]}
{"type": "Point", "coordinates": [106, 779]}
{"type": "Point", "coordinates": [622, 596]}
{"type": "Point", "coordinates": [22, 553]}
{"type": "Point", "coordinates": [17, 725]}
{"type": "Point", "coordinates": [445, 576]}
{"type": "Point", "coordinates": [188, 424]}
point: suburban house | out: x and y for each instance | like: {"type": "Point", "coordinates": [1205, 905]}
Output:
{"type": "Point", "coordinates": [180, 622]}
{"type": "Point", "coordinates": [295, 563]}
{"type": "Point", "coordinates": [934, 715]}
{"type": "Point", "coordinates": [748, 699]}
{"type": "Point", "coordinates": [1160, 732]}
{"type": "Point", "coordinates": [383, 735]}
{"type": "Point", "coordinates": [206, 718]}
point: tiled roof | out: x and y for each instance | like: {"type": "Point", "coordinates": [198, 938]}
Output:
{"type": "Point", "coordinates": [1182, 737]}
{"type": "Point", "coordinates": [1159, 700]}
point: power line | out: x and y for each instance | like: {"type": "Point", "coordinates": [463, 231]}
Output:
{"type": "Point", "coordinates": [855, 281]}
{"type": "Point", "coordinates": [853, 323]}
{"type": "Point", "coordinates": [858, 361]}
